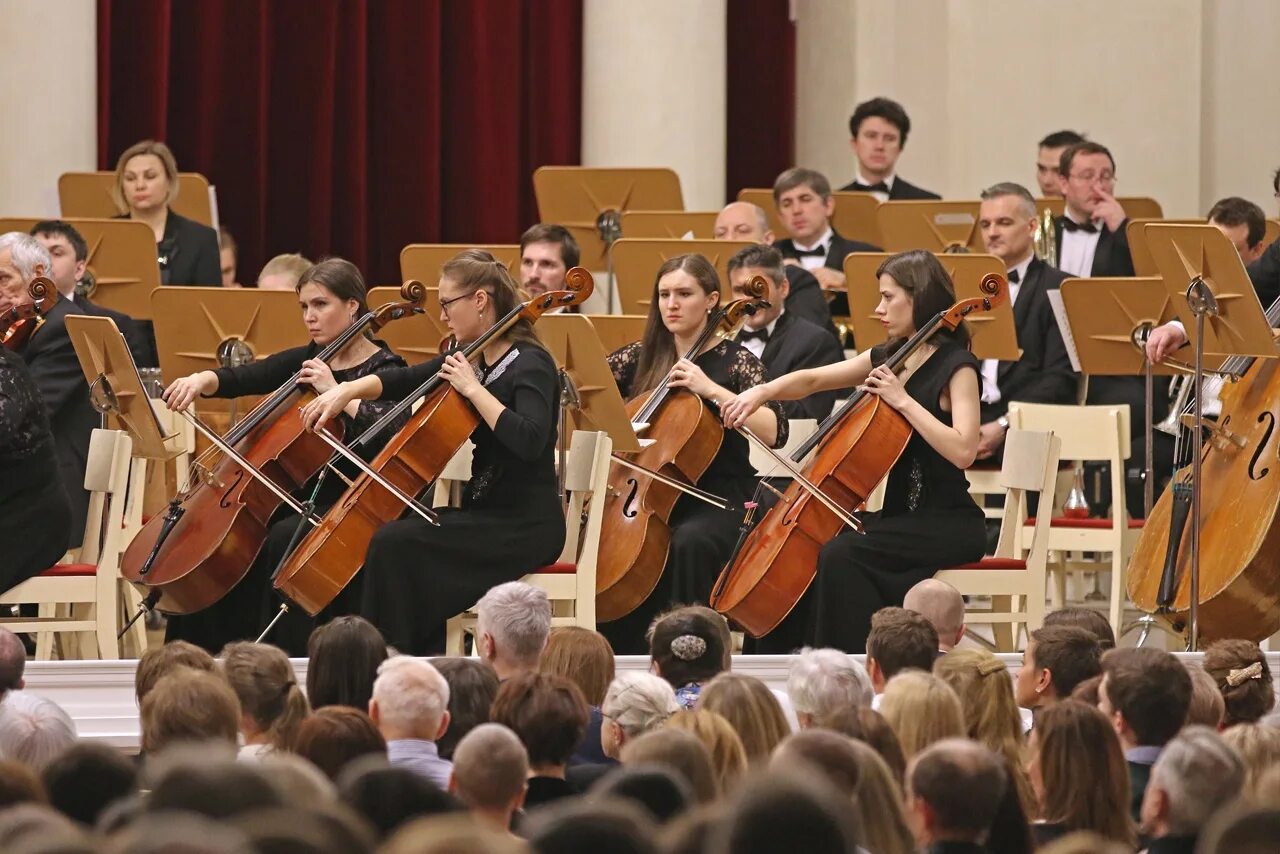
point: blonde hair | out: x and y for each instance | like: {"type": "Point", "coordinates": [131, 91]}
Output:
{"type": "Point", "coordinates": [291, 264]}
{"type": "Point", "coordinates": [750, 707]}
{"type": "Point", "coordinates": [268, 691]}
{"type": "Point", "coordinates": [879, 805]}
{"type": "Point", "coordinates": [1259, 749]}
{"type": "Point", "coordinates": [189, 705]}
{"type": "Point", "coordinates": [727, 754]}
{"type": "Point", "coordinates": [982, 683]}
{"type": "Point", "coordinates": [162, 153]}
{"type": "Point", "coordinates": [921, 709]}
{"type": "Point", "coordinates": [581, 655]}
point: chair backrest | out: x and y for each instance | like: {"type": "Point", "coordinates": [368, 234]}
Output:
{"type": "Point", "coordinates": [1030, 465]}
{"type": "Point", "coordinates": [586, 481]}
{"type": "Point", "coordinates": [106, 478]}
{"type": "Point", "coordinates": [1088, 433]}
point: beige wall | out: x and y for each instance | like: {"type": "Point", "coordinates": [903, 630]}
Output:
{"type": "Point", "coordinates": [1174, 87]}
{"type": "Point", "coordinates": [48, 55]}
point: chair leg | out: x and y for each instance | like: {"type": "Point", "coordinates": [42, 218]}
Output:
{"type": "Point", "coordinates": [1058, 569]}
{"type": "Point", "coordinates": [453, 644]}
{"type": "Point", "coordinates": [1116, 606]}
{"type": "Point", "coordinates": [1002, 632]}
{"type": "Point", "coordinates": [44, 640]}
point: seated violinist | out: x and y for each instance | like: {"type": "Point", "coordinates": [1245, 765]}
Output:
{"type": "Point", "coordinates": [417, 575]}
{"type": "Point", "coordinates": [929, 521]}
{"type": "Point", "coordinates": [332, 296]}
{"type": "Point", "coordinates": [686, 290]}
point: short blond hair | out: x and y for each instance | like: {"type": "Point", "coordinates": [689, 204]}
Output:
{"type": "Point", "coordinates": [189, 705]}
{"type": "Point", "coordinates": [147, 146]}
{"type": "Point", "coordinates": [291, 264]}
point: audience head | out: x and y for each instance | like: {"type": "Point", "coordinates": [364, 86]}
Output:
{"type": "Point", "coordinates": [1242, 830]}
{"type": "Point", "coordinates": [453, 834]}
{"type": "Point", "coordinates": [298, 780]}
{"type": "Point", "coordinates": [410, 700]}
{"type": "Point", "coordinates": [943, 606]}
{"type": "Point", "coordinates": [335, 736]}
{"type": "Point", "coordinates": [13, 662]}
{"type": "Point", "coordinates": [228, 255]}
{"type": "Point", "coordinates": [1240, 670]}
{"type": "Point", "coordinates": [1057, 659]}
{"type": "Point", "coordinates": [159, 661]}
{"type": "Point", "coordinates": [899, 639]}
{"type": "Point", "coordinates": [1244, 224]}
{"type": "Point", "coordinates": [728, 756]}
{"type": "Point", "coordinates": [687, 646]}
{"type": "Point", "coordinates": [513, 621]}
{"type": "Point", "coordinates": [922, 709]}
{"type": "Point", "coordinates": [472, 687]}
{"type": "Point", "coordinates": [954, 791]}
{"type": "Point", "coordinates": [1258, 746]}
{"type": "Point", "coordinates": [1145, 693]}
{"type": "Point", "coordinates": [750, 707]}
{"type": "Point", "coordinates": [197, 779]}
{"type": "Point", "coordinates": [743, 221]}
{"type": "Point", "coordinates": [661, 792]}
{"type": "Point", "coordinates": [581, 826]}
{"type": "Point", "coordinates": [760, 260]}
{"type": "Point", "coordinates": [547, 252]}
{"type": "Point", "coordinates": [187, 832]}
{"type": "Point", "coordinates": [146, 178]}
{"type": "Point", "coordinates": [823, 681]}
{"type": "Point", "coordinates": [1087, 691]}
{"type": "Point", "coordinates": [22, 258]}
{"type": "Point", "coordinates": [331, 828]}
{"type": "Point", "coordinates": [804, 202]}
{"type": "Point", "coordinates": [869, 727]}
{"type": "Point", "coordinates": [679, 751]}
{"type": "Point", "coordinates": [284, 273]}
{"type": "Point", "coordinates": [582, 656]}
{"type": "Point", "coordinates": [1007, 220]}
{"type": "Point", "coordinates": [490, 767]}
{"type": "Point", "coordinates": [1087, 174]}
{"type": "Point", "coordinates": [549, 715]}
{"type": "Point", "coordinates": [389, 796]}
{"type": "Point", "coordinates": [272, 704]}
{"type": "Point", "coordinates": [775, 811]}
{"type": "Point", "coordinates": [635, 703]}
{"type": "Point", "coordinates": [87, 778]}
{"type": "Point", "coordinates": [1049, 160]}
{"type": "Point", "coordinates": [344, 654]}
{"type": "Point", "coordinates": [833, 755]}
{"type": "Point", "coordinates": [68, 253]}
{"type": "Point", "coordinates": [878, 129]}
{"type": "Point", "coordinates": [1196, 775]}
{"type": "Point", "coordinates": [1088, 619]}
{"type": "Point", "coordinates": [189, 705]}
{"type": "Point", "coordinates": [20, 784]}
{"type": "Point", "coordinates": [1207, 707]}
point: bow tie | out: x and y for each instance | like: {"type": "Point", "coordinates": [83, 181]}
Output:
{"type": "Point", "coordinates": [1070, 224]}
{"type": "Point", "coordinates": [882, 187]}
{"type": "Point", "coordinates": [1014, 278]}
{"type": "Point", "coordinates": [818, 251]}
{"type": "Point", "coordinates": [761, 334]}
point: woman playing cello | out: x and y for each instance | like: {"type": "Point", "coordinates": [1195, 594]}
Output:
{"type": "Point", "coordinates": [929, 520]}
{"type": "Point", "coordinates": [416, 575]}
{"type": "Point", "coordinates": [332, 295]}
{"type": "Point", "coordinates": [685, 293]}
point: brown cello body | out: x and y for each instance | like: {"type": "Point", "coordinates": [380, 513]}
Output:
{"type": "Point", "coordinates": [1239, 536]}
{"type": "Point", "coordinates": [635, 531]}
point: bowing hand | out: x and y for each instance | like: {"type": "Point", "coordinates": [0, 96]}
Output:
{"type": "Point", "coordinates": [736, 410]}
{"type": "Point", "coordinates": [460, 374]}
{"type": "Point", "coordinates": [685, 374]}
{"type": "Point", "coordinates": [317, 374]}
{"type": "Point", "coordinates": [1163, 341]}
{"type": "Point", "coordinates": [182, 391]}
{"type": "Point", "coordinates": [885, 384]}
{"type": "Point", "coordinates": [324, 408]}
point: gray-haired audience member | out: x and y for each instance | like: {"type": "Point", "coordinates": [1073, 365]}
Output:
{"type": "Point", "coordinates": [943, 606]}
{"type": "Point", "coordinates": [512, 624]}
{"type": "Point", "coordinates": [635, 703]}
{"type": "Point", "coordinates": [1196, 775]}
{"type": "Point", "coordinates": [823, 681]}
{"type": "Point", "coordinates": [954, 789]}
{"type": "Point", "coordinates": [410, 706]}
{"type": "Point", "coordinates": [33, 730]}
{"type": "Point", "coordinates": [490, 769]}
{"type": "Point", "coordinates": [13, 662]}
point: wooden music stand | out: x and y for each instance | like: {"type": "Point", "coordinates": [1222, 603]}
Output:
{"type": "Point", "coordinates": [415, 338]}
{"type": "Point", "coordinates": [934, 225]}
{"type": "Point", "coordinates": [1106, 319]}
{"type": "Point", "coordinates": [88, 194]}
{"type": "Point", "coordinates": [422, 261]}
{"type": "Point", "coordinates": [669, 225]}
{"type": "Point", "coordinates": [577, 350]}
{"type": "Point", "coordinates": [1273, 233]}
{"type": "Point", "coordinates": [590, 201]}
{"type": "Point", "coordinates": [854, 215]}
{"type": "Point", "coordinates": [618, 330]}
{"type": "Point", "coordinates": [1135, 231]}
{"type": "Point", "coordinates": [636, 262]}
{"type": "Point", "coordinates": [994, 333]}
{"type": "Point", "coordinates": [1135, 207]}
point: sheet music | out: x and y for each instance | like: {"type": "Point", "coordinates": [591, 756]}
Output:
{"type": "Point", "coordinates": [1064, 326]}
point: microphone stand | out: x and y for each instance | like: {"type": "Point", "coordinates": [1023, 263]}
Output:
{"type": "Point", "coordinates": [609, 228]}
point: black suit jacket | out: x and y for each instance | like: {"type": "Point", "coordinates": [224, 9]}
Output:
{"type": "Point", "coordinates": [138, 345]}
{"type": "Point", "coordinates": [1265, 275]}
{"type": "Point", "coordinates": [807, 300]}
{"type": "Point", "coordinates": [1112, 256]}
{"type": "Point", "coordinates": [188, 253]}
{"type": "Point", "coordinates": [1043, 374]}
{"type": "Point", "coordinates": [836, 252]}
{"type": "Point", "coordinates": [900, 191]}
{"type": "Point", "coordinates": [795, 344]}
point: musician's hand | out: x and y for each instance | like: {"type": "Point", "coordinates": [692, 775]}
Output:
{"type": "Point", "coordinates": [327, 406]}
{"type": "Point", "coordinates": [686, 374]}
{"type": "Point", "coordinates": [461, 375]}
{"type": "Point", "coordinates": [1109, 211]}
{"type": "Point", "coordinates": [182, 391]}
{"type": "Point", "coordinates": [736, 410]}
{"type": "Point", "coordinates": [885, 383]}
{"type": "Point", "coordinates": [318, 375]}
{"type": "Point", "coordinates": [1163, 341]}
{"type": "Point", "coordinates": [990, 438]}
{"type": "Point", "coordinates": [831, 280]}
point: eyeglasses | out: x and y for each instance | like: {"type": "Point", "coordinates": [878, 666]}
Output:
{"type": "Point", "coordinates": [1106, 179]}
{"type": "Point", "coordinates": [444, 303]}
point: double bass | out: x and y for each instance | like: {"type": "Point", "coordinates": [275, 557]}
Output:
{"type": "Point", "coordinates": [855, 446]}
{"type": "Point", "coordinates": [19, 323]}
{"type": "Point", "coordinates": [207, 540]}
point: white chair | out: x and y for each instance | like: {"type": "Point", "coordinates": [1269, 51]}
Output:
{"type": "Point", "coordinates": [1016, 584]}
{"type": "Point", "coordinates": [570, 582]}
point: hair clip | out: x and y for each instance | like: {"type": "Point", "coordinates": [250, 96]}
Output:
{"type": "Point", "coordinates": [986, 668]}
{"type": "Point", "coordinates": [1235, 678]}
{"type": "Point", "coordinates": [688, 647]}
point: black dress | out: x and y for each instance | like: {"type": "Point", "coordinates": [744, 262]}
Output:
{"type": "Point", "coordinates": [928, 522]}
{"type": "Point", "coordinates": [35, 514]}
{"type": "Point", "coordinates": [417, 575]}
{"type": "Point", "coordinates": [247, 609]}
{"type": "Point", "coordinates": [702, 536]}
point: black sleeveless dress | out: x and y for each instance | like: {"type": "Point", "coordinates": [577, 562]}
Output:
{"type": "Point", "coordinates": [928, 522]}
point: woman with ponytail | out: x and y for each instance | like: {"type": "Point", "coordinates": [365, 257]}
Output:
{"type": "Point", "coordinates": [272, 704]}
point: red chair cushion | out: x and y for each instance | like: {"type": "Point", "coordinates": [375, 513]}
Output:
{"type": "Point", "coordinates": [557, 568]}
{"type": "Point", "coordinates": [994, 563]}
{"type": "Point", "coordinates": [1096, 524]}
{"type": "Point", "coordinates": [64, 570]}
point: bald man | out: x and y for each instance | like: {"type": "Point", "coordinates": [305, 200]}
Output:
{"type": "Point", "coordinates": [745, 221]}
{"type": "Point", "coordinates": [490, 767]}
{"type": "Point", "coordinates": [943, 606]}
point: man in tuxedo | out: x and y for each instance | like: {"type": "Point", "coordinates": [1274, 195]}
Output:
{"type": "Point", "coordinates": [746, 221]}
{"type": "Point", "coordinates": [878, 129]}
{"type": "Point", "coordinates": [783, 341]}
{"type": "Point", "coordinates": [1043, 374]}
{"type": "Point", "coordinates": [547, 252]}
{"type": "Point", "coordinates": [51, 358]}
{"type": "Point", "coordinates": [1090, 233]}
{"type": "Point", "coordinates": [1049, 157]}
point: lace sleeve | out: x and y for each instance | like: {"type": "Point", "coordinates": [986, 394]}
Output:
{"type": "Point", "coordinates": [370, 411]}
{"type": "Point", "coordinates": [623, 362]}
{"type": "Point", "coordinates": [746, 371]}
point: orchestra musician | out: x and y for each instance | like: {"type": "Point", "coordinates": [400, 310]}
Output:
{"type": "Point", "coordinates": [929, 521]}
{"type": "Point", "coordinates": [417, 575]}
{"type": "Point", "coordinates": [331, 294]}
{"type": "Point", "coordinates": [686, 291]}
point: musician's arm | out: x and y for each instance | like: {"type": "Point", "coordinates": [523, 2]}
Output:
{"type": "Point", "coordinates": [959, 442]}
{"type": "Point", "coordinates": [800, 384]}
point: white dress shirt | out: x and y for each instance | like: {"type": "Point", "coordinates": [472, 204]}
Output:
{"type": "Point", "coordinates": [991, 367]}
{"type": "Point", "coordinates": [755, 345]}
{"type": "Point", "coordinates": [888, 182]}
{"type": "Point", "coordinates": [1077, 250]}
{"type": "Point", "coordinates": [813, 262]}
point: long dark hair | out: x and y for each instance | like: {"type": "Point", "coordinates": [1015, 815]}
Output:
{"type": "Point", "coordinates": [344, 654]}
{"type": "Point", "coordinates": [929, 285]}
{"type": "Point", "coordinates": [657, 347]}
{"type": "Point", "coordinates": [476, 269]}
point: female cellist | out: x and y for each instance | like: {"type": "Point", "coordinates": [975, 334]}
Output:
{"type": "Point", "coordinates": [332, 295]}
{"type": "Point", "coordinates": [416, 575]}
{"type": "Point", "coordinates": [685, 292]}
{"type": "Point", "coordinates": [929, 521]}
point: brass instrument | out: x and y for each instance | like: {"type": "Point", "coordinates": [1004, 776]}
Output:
{"type": "Point", "coordinates": [1046, 239]}
{"type": "Point", "coordinates": [1172, 423]}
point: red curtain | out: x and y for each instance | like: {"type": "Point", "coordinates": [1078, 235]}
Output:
{"type": "Point", "coordinates": [761, 98]}
{"type": "Point", "coordinates": [349, 127]}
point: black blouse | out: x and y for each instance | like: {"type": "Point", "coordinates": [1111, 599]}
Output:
{"type": "Point", "coordinates": [24, 423]}
{"type": "Point", "coordinates": [728, 364]}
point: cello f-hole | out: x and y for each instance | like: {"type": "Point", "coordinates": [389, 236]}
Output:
{"type": "Point", "coordinates": [1270, 420]}
{"type": "Point", "coordinates": [224, 502]}
{"type": "Point", "coordinates": [628, 506]}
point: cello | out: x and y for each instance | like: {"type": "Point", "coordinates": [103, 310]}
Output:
{"type": "Point", "coordinates": [330, 555]}
{"type": "Point", "coordinates": [855, 446]}
{"type": "Point", "coordinates": [20, 322]}
{"type": "Point", "coordinates": [686, 435]}
{"type": "Point", "coordinates": [205, 543]}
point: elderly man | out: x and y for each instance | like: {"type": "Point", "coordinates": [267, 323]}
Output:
{"type": "Point", "coordinates": [490, 770]}
{"type": "Point", "coordinates": [954, 791]}
{"type": "Point", "coordinates": [1197, 774]}
{"type": "Point", "coordinates": [824, 681]}
{"type": "Point", "coordinates": [410, 706]}
{"type": "Point", "coordinates": [943, 606]}
{"type": "Point", "coordinates": [513, 621]}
